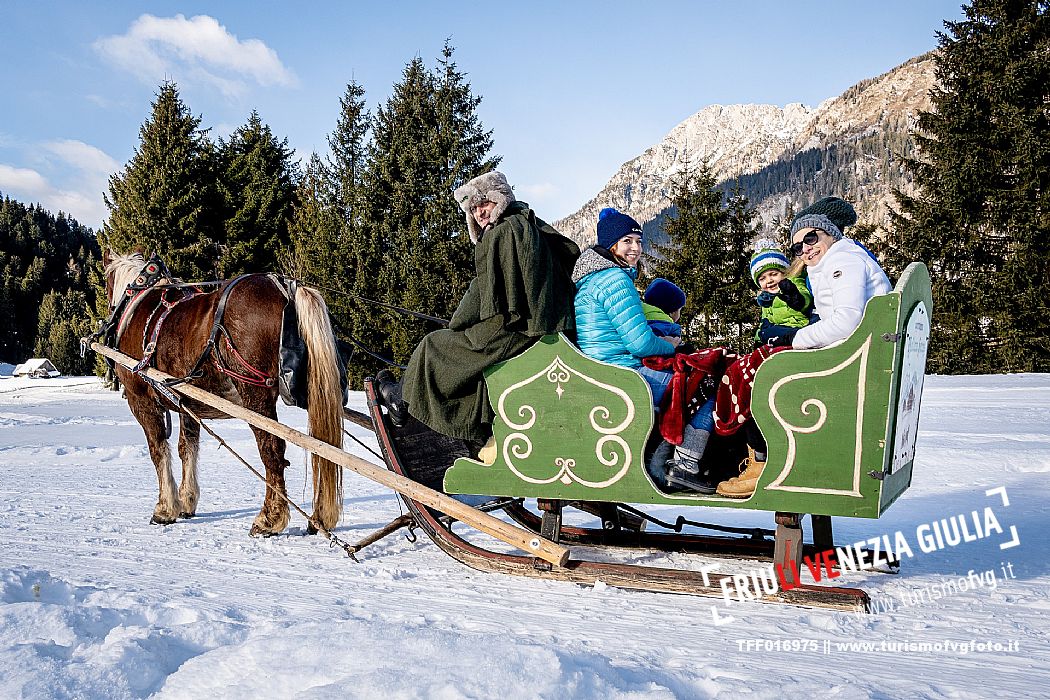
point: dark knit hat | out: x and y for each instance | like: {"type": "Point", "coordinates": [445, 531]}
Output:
{"type": "Point", "coordinates": [838, 210]}
{"type": "Point", "coordinates": [614, 225]}
{"type": "Point", "coordinates": [664, 295]}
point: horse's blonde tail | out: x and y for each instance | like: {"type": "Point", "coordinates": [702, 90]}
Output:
{"type": "Point", "coordinates": [324, 401]}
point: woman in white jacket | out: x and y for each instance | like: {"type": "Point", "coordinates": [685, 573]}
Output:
{"type": "Point", "coordinates": [842, 277]}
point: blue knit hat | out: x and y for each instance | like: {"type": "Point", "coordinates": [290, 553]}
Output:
{"type": "Point", "coordinates": [614, 225]}
{"type": "Point", "coordinates": [664, 295]}
{"type": "Point", "coordinates": [767, 257]}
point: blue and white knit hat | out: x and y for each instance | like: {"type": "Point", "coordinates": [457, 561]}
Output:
{"type": "Point", "coordinates": [767, 257]}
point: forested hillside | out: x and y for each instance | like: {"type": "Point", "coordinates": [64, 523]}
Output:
{"type": "Point", "coordinates": [45, 294]}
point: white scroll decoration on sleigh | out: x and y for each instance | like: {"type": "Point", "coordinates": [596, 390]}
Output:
{"type": "Point", "coordinates": [610, 449]}
{"type": "Point", "coordinates": [860, 357]}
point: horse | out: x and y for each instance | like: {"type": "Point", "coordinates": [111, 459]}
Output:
{"type": "Point", "coordinates": [173, 327]}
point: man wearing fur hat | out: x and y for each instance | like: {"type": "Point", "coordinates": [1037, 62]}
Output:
{"type": "Point", "coordinates": [522, 290]}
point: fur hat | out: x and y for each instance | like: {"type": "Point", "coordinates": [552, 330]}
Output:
{"type": "Point", "coordinates": [490, 187]}
{"type": "Point", "coordinates": [664, 295]}
{"type": "Point", "coordinates": [767, 257]}
{"type": "Point", "coordinates": [614, 225]}
{"type": "Point", "coordinates": [815, 221]}
{"type": "Point", "coordinates": [838, 210]}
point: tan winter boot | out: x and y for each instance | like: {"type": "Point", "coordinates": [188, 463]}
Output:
{"type": "Point", "coordinates": [743, 467]}
{"type": "Point", "coordinates": [744, 485]}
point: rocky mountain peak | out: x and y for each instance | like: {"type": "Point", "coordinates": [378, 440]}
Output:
{"type": "Point", "coordinates": [740, 140]}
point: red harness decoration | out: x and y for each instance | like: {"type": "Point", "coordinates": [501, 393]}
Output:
{"type": "Point", "coordinates": [151, 347]}
{"type": "Point", "coordinates": [253, 376]}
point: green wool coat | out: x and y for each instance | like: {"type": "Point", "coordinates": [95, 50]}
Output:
{"type": "Point", "coordinates": [522, 291]}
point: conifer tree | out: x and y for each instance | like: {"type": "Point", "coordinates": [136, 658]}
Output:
{"type": "Point", "coordinates": [980, 219]}
{"type": "Point", "coordinates": [426, 141]}
{"type": "Point", "coordinates": [314, 230]}
{"type": "Point", "coordinates": [707, 255]}
{"type": "Point", "coordinates": [64, 319]}
{"type": "Point", "coordinates": [166, 199]}
{"type": "Point", "coordinates": [39, 253]}
{"type": "Point", "coordinates": [258, 186]}
{"type": "Point", "coordinates": [353, 260]}
{"type": "Point", "coordinates": [736, 296]}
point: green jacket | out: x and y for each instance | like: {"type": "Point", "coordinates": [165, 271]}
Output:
{"type": "Point", "coordinates": [780, 314]}
{"type": "Point", "coordinates": [522, 291]}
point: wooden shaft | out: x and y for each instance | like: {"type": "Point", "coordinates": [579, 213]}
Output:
{"type": "Point", "coordinates": [358, 418]}
{"type": "Point", "coordinates": [393, 526]}
{"type": "Point", "coordinates": [516, 537]}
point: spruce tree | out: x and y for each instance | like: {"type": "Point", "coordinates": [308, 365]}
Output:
{"type": "Point", "coordinates": [708, 255]}
{"type": "Point", "coordinates": [354, 258]}
{"type": "Point", "coordinates": [258, 186]}
{"type": "Point", "coordinates": [64, 319]}
{"type": "Point", "coordinates": [315, 231]}
{"type": "Point", "coordinates": [981, 220]}
{"type": "Point", "coordinates": [166, 199]}
{"type": "Point", "coordinates": [735, 298]}
{"type": "Point", "coordinates": [427, 140]}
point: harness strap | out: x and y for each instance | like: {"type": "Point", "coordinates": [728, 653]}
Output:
{"type": "Point", "coordinates": [151, 347]}
{"type": "Point", "coordinates": [251, 375]}
{"type": "Point", "coordinates": [220, 310]}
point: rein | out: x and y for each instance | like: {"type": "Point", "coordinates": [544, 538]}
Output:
{"type": "Point", "coordinates": [401, 310]}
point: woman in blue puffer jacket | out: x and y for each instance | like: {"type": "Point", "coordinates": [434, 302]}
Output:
{"type": "Point", "coordinates": [611, 327]}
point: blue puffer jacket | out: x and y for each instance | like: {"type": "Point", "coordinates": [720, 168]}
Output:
{"type": "Point", "coordinates": [610, 323]}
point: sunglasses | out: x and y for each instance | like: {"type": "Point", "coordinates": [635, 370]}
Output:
{"type": "Point", "coordinates": [810, 238]}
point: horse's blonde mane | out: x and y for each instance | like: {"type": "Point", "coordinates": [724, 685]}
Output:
{"type": "Point", "coordinates": [124, 269]}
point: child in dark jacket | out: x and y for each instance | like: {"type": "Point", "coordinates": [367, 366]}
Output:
{"type": "Point", "coordinates": [786, 301]}
{"type": "Point", "coordinates": [662, 303]}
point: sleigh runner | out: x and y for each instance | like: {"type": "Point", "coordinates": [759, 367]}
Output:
{"type": "Point", "coordinates": [840, 424]}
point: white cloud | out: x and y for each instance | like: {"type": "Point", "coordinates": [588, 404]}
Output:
{"type": "Point", "coordinates": [83, 156]}
{"type": "Point", "coordinates": [22, 180]}
{"type": "Point", "coordinates": [84, 203]}
{"type": "Point", "coordinates": [194, 49]}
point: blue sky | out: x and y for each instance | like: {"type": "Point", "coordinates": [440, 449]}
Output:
{"type": "Point", "coordinates": [571, 89]}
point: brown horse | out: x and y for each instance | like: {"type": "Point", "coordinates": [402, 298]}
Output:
{"type": "Point", "coordinates": [242, 367]}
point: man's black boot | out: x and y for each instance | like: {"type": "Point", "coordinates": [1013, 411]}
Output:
{"type": "Point", "coordinates": [389, 391]}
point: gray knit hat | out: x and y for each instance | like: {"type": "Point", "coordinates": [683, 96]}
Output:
{"type": "Point", "coordinates": [490, 187]}
{"type": "Point", "coordinates": [816, 221]}
{"type": "Point", "coordinates": [838, 210]}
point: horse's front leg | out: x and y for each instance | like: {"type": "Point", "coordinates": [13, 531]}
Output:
{"type": "Point", "coordinates": [273, 517]}
{"type": "Point", "coordinates": [151, 417]}
{"type": "Point", "coordinates": [189, 449]}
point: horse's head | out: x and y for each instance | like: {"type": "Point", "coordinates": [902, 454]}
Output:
{"type": "Point", "coordinates": [121, 271]}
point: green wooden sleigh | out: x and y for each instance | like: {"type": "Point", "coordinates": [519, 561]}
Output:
{"type": "Point", "coordinates": [840, 422]}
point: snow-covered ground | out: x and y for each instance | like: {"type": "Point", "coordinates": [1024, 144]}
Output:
{"type": "Point", "coordinates": [97, 603]}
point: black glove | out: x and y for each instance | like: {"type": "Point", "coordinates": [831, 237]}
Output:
{"type": "Point", "coordinates": [765, 299]}
{"type": "Point", "coordinates": [791, 296]}
{"type": "Point", "coordinates": [785, 339]}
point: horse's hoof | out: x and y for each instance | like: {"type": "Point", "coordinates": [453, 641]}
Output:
{"type": "Point", "coordinates": [257, 531]}
{"type": "Point", "coordinates": [157, 520]}
{"type": "Point", "coordinates": [186, 515]}
{"type": "Point", "coordinates": [310, 529]}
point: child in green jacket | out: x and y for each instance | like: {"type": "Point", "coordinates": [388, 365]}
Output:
{"type": "Point", "coordinates": [786, 302]}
